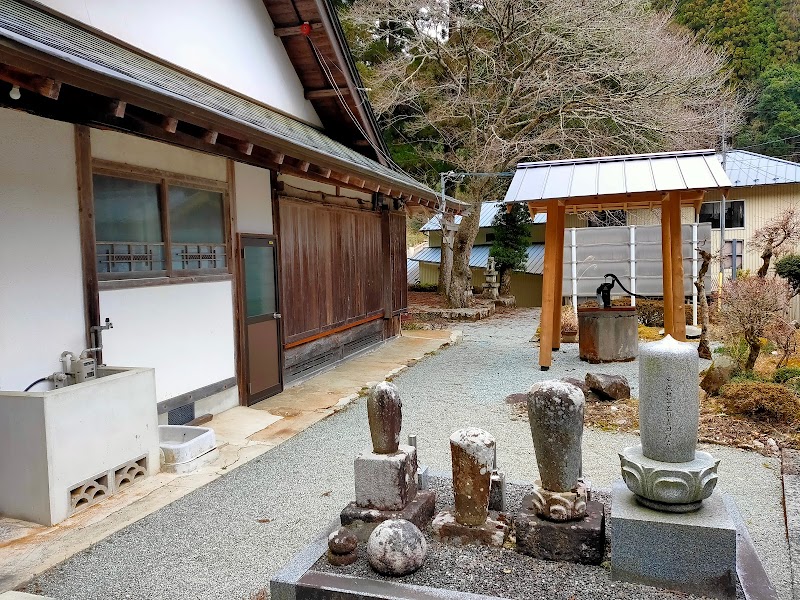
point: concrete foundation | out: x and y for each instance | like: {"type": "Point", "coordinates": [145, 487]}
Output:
{"type": "Point", "coordinates": [688, 552]}
{"type": "Point", "coordinates": [608, 334]}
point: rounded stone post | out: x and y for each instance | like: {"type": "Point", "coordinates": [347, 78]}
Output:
{"type": "Point", "coordinates": [555, 412]}
{"type": "Point", "coordinates": [472, 452]}
{"type": "Point", "coordinates": [384, 411]}
{"type": "Point", "coordinates": [669, 400]}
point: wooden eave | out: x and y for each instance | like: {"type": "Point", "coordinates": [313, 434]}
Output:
{"type": "Point", "coordinates": [99, 100]}
{"type": "Point", "coordinates": [333, 106]}
{"type": "Point", "coordinates": [630, 201]}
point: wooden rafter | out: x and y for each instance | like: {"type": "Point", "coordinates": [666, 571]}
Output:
{"type": "Point", "coordinates": [326, 93]}
{"type": "Point", "coordinates": [44, 86]}
{"type": "Point", "coordinates": [297, 29]}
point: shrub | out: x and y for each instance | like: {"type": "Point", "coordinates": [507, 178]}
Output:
{"type": "Point", "coordinates": [761, 400]}
{"type": "Point", "coordinates": [651, 312]}
{"type": "Point", "coordinates": [784, 374]}
{"type": "Point", "coordinates": [422, 287]}
{"type": "Point", "coordinates": [788, 267]}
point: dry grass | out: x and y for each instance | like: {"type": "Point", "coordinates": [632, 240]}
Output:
{"type": "Point", "coordinates": [649, 334]}
{"type": "Point", "coordinates": [762, 401]}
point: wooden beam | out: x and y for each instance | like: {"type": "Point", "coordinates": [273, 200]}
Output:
{"type": "Point", "coordinates": [91, 293]}
{"type": "Point", "coordinates": [666, 261]}
{"type": "Point", "coordinates": [280, 158]}
{"type": "Point", "coordinates": [678, 298]}
{"type": "Point", "coordinates": [548, 286]}
{"type": "Point", "coordinates": [304, 165]}
{"type": "Point", "coordinates": [170, 124]}
{"type": "Point", "coordinates": [386, 260]}
{"type": "Point", "coordinates": [118, 108]}
{"type": "Point", "coordinates": [44, 86]}
{"type": "Point", "coordinates": [559, 279]}
{"type": "Point", "coordinates": [327, 93]}
{"type": "Point", "coordinates": [245, 148]}
{"type": "Point", "coordinates": [210, 137]}
{"type": "Point", "coordinates": [296, 29]}
{"type": "Point", "coordinates": [532, 210]}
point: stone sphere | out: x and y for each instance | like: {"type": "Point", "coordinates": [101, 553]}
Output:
{"type": "Point", "coordinates": [396, 547]}
{"type": "Point", "coordinates": [342, 541]}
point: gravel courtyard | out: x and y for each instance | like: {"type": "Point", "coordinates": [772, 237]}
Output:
{"type": "Point", "coordinates": [225, 540]}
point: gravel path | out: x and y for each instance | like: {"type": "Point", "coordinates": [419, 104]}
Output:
{"type": "Point", "coordinates": [225, 540]}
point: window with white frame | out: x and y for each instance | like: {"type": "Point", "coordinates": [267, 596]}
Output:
{"type": "Point", "coordinates": [734, 214]}
{"type": "Point", "coordinates": [158, 227]}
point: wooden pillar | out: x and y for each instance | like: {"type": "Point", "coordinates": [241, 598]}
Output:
{"type": "Point", "coordinates": [559, 280]}
{"type": "Point", "coordinates": [666, 260]}
{"type": "Point", "coordinates": [548, 286]}
{"type": "Point", "coordinates": [676, 242]}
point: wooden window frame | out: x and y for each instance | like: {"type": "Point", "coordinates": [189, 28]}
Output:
{"type": "Point", "coordinates": [165, 179]}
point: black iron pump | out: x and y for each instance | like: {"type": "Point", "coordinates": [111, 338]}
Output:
{"type": "Point", "coordinates": [604, 291]}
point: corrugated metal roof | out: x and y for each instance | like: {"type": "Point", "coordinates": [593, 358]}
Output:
{"type": "Point", "coordinates": [480, 257]}
{"type": "Point", "coordinates": [630, 174]}
{"type": "Point", "coordinates": [44, 32]}
{"type": "Point", "coordinates": [412, 271]}
{"type": "Point", "coordinates": [748, 168]}
{"type": "Point", "coordinates": [488, 211]}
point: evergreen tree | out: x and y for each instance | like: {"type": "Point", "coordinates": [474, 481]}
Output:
{"type": "Point", "coordinates": [511, 241]}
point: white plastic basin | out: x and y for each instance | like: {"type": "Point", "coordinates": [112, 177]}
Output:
{"type": "Point", "coordinates": [183, 443]}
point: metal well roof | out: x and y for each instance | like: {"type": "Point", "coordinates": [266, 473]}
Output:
{"type": "Point", "coordinates": [480, 257]}
{"type": "Point", "coordinates": [611, 175]}
{"type": "Point", "coordinates": [748, 168]}
{"type": "Point", "coordinates": [488, 211]}
{"type": "Point", "coordinates": [43, 32]}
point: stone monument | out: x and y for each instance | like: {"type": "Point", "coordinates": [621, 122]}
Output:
{"type": "Point", "coordinates": [386, 477]}
{"type": "Point", "coordinates": [492, 285]}
{"type": "Point", "coordinates": [668, 526]}
{"type": "Point", "coordinates": [558, 521]}
{"type": "Point", "coordinates": [470, 520]}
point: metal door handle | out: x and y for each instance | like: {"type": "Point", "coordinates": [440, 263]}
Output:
{"type": "Point", "coordinates": [276, 315]}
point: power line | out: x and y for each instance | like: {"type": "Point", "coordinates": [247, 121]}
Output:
{"type": "Point", "coordinates": [791, 137]}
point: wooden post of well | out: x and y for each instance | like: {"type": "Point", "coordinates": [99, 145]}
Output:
{"type": "Point", "coordinates": [559, 280]}
{"type": "Point", "coordinates": [676, 242]}
{"type": "Point", "coordinates": [548, 286]}
{"type": "Point", "coordinates": [666, 260]}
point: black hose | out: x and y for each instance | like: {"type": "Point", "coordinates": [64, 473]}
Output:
{"type": "Point", "coordinates": [35, 382]}
{"type": "Point", "coordinates": [624, 289]}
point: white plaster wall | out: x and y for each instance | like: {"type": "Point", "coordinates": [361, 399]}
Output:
{"type": "Point", "coordinates": [230, 42]}
{"type": "Point", "coordinates": [184, 331]}
{"type": "Point", "coordinates": [132, 150]}
{"type": "Point", "coordinates": [41, 289]}
{"type": "Point", "coordinates": [253, 200]}
{"type": "Point", "coordinates": [315, 186]}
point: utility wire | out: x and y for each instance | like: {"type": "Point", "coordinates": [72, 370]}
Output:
{"type": "Point", "coordinates": [791, 137]}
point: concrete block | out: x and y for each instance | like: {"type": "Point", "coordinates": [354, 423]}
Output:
{"type": "Point", "coordinates": [362, 521]}
{"type": "Point", "coordinates": [386, 481]}
{"type": "Point", "coordinates": [688, 552]}
{"type": "Point", "coordinates": [580, 541]}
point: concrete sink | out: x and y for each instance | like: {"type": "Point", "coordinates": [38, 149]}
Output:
{"type": "Point", "coordinates": [184, 448]}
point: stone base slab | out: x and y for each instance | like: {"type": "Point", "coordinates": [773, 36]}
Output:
{"type": "Point", "coordinates": [362, 521]}
{"type": "Point", "coordinates": [580, 541]}
{"type": "Point", "coordinates": [492, 533]}
{"type": "Point", "coordinates": [386, 481]}
{"type": "Point", "coordinates": [688, 552]}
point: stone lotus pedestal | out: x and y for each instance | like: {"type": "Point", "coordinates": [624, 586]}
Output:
{"type": "Point", "coordinates": [470, 521]}
{"type": "Point", "coordinates": [386, 478]}
{"type": "Point", "coordinates": [668, 527]}
{"type": "Point", "coordinates": [557, 521]}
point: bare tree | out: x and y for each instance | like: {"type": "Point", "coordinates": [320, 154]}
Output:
{"type": "Point", "coordinates": [505, 81]}
{"type": "Point", "coordinates": [777, 237]}
{"type": "Point", "coordinates": [750, 307]}
{"type": "Point", "coordinates": [703, 349]}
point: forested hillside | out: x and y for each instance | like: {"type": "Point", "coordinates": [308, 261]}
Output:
{"type": "Point", "coordinates": [762, 40]}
